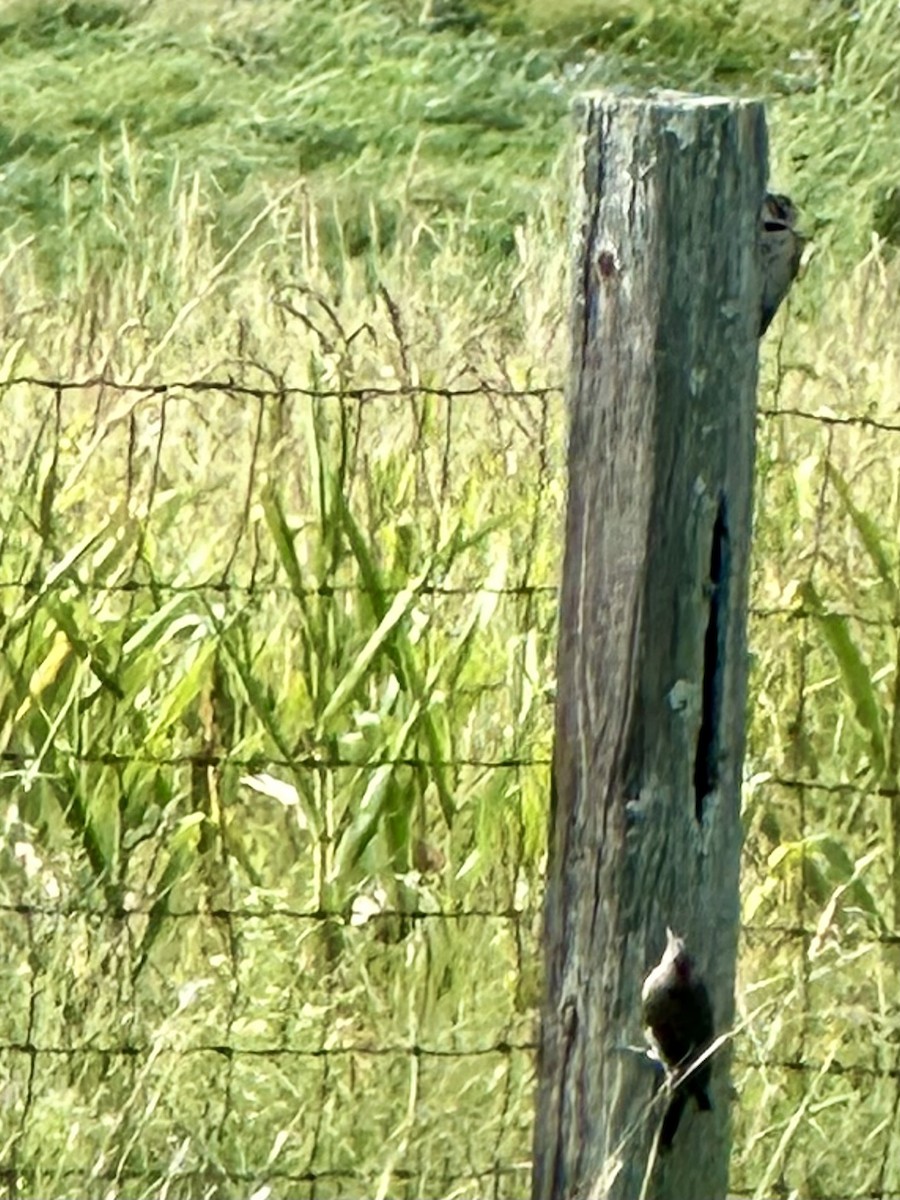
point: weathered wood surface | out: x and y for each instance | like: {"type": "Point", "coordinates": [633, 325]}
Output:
{"type": "Point", "coordinates": [645, 824]}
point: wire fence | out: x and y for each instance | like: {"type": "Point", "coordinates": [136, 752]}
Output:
{"type": "Point", "coordinates": [817, 1069]}
{"type": "Point", "coordinates": [275, 743]}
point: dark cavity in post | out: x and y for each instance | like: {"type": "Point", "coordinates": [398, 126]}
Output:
{"type": "Point", "coordinates": [706, 763]}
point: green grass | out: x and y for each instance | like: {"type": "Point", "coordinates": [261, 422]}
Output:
{"type": "Point", "coordinates": [223, 611]}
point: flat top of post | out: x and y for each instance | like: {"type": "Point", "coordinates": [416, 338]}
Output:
{"type": "Point", "coordinates": [666, 98]}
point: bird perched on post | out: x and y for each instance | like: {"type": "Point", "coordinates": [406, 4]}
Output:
{"type": "Point", "coordinates": [781, 248]}
{"type": "Point", "coordinates": [678, 1023]}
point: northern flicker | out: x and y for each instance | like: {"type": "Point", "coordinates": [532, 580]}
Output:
{"type": "Point", "coordinates": [678, 1023]}
{"type": "Point", "coordinates": [781, 248]}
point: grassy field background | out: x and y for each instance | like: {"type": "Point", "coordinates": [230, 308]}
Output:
{"type": "Point", "coordinates": [277, 651]}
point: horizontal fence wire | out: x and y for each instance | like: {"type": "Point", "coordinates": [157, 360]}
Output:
{"type": "Point", "coordinates": [232, 389]}
{"type": "Point", "coordinates": [275, 746]}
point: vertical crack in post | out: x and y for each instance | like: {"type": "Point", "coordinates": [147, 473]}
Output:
{"type": "Point", "coordinates": [706, 762]}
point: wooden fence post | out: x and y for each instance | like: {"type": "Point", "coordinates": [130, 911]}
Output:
{"type": "Point", "coordinates": [651, 685]}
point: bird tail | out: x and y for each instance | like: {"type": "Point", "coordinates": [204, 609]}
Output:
{"type": "Point", "coordinates": [672, 1120]}
{"type": "Point", "coordinates": [674, 1112]}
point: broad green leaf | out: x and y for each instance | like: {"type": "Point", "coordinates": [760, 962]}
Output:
{"type": "Point", "coordinates": [365, 824]}
{"type": "Point", "coordinates": [402, 655]}
{"type": "Point", "coordinates": [284, 540]}
{"type": "Point", "coordinates": [259, 701]}
{"type": "Point", "coordinates": [377, 641]}
{"type": "Point", "coordinates": [157, 627]}
{"type": "Point", "coordinates": [870, 535]}
{"type": "Point", "coordinates": [372, 806]}
{"type": "Point", "coordinates": [856, 676]}
{"type": "Point", "coordinates": [172, 705]}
